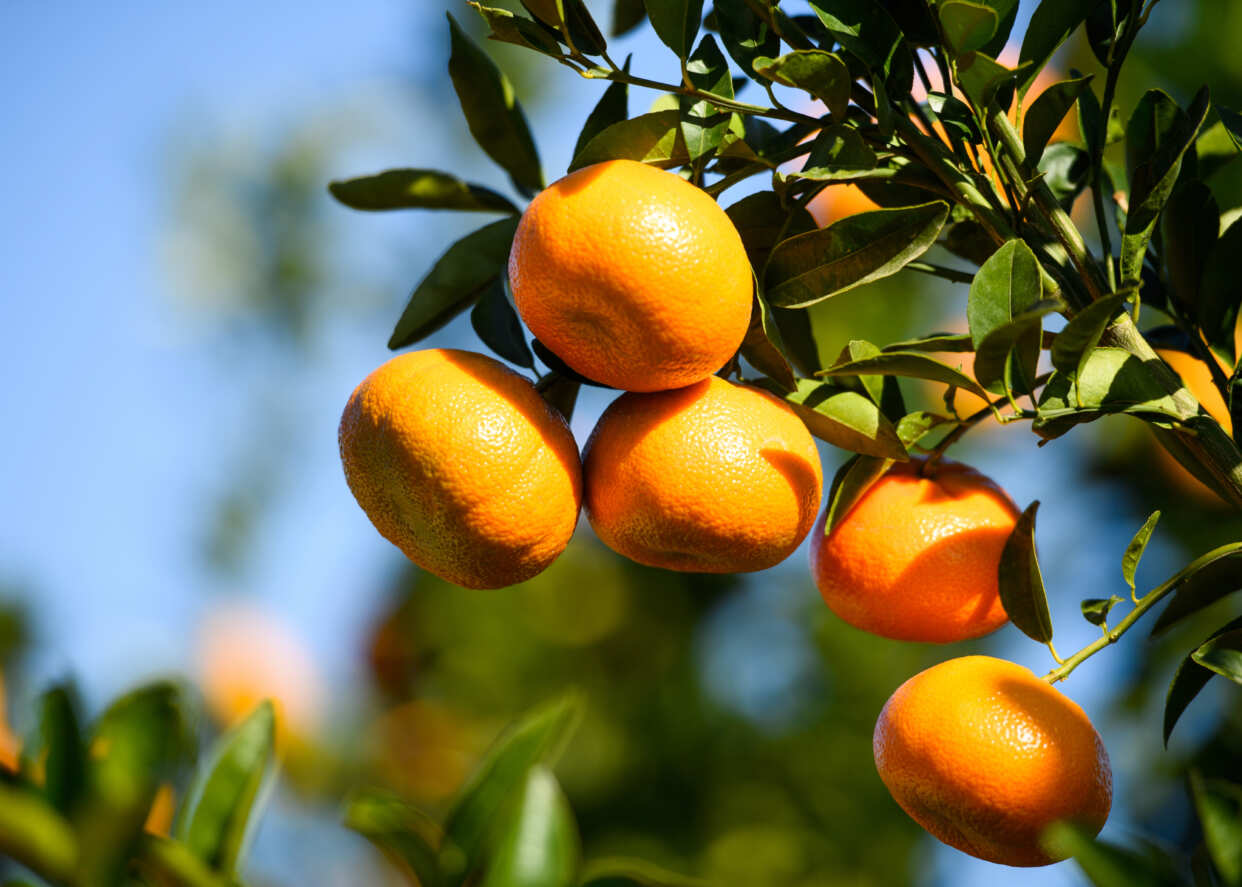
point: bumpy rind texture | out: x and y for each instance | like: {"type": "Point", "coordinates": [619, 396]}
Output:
{"type": "Point", "coordinates": [985, 756]}
{"type": "Point", "coordinates": [916, 558]}
{"type": "Point", "coordinates": [711, 478]}
{"type": "Point", "coordinates": [632, 276]}
{"type": "Point", "coordinates": [462, 465]}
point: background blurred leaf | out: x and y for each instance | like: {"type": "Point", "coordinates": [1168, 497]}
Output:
{"type": "Point", "coordinates": [1190, 678]}
{"type": "Point", "coordinates": [456, 280]}
{"type": "Point", "coordinates": [417, 188]}
{"type": "Point", "coordinates": [1219, 807]}
{"type": "Point", "coordinates": [492, 111]}
{"type": "Point", "coordinates": [616, 872]}
{"type": "Point", "coordinates": [1021, 583]}
{"type": "Point", "coordinates": [404, 834]}
{"type": "Point", "coordinates": [1219, 293]}
{"type": "Point", "coordinates": [1189, 228]}
{"type": "Point", "coordinates": [1202, 582]}
{"type": "Point", "coordinates": [1107, 865]}
{"type": "Point", "coordinates": [60, 752]}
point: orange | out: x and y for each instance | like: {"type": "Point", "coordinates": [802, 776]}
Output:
{"type": "Point", "coordinates": [838, 201]}
{"type": "Point", "coordinates": [712, 478]}
{"type": "Point", "coordinates": [985, 756]}
{"type": "Point", "coordinates": [632, 276]}
{"type": "Point", "coordinates": [916, 558]}
{"type": "Point", "coordinates": [461, 464]}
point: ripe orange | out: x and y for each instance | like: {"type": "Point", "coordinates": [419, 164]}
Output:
{"type": "Point", "coordinates": [461, 464]}
{"type": "Point", "coordinates": [712, 478]}
{"type": "Point", "coordinates": [838, 201]}
{"type": "Point", "coordinates": [916, 558]}
{"type": "Point", "coordinates": [632, 276]}
{"type": "Point", "coordinates": [985, 756]}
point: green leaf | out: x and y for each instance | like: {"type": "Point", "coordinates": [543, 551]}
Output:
{"type": "Point", "coordinates": [1153, 176]}
{"type": "Point", "coordinates": [496, 323]}
{"type": "Point", "coordinates": [59, 749]}
{"type": "Point", "coordinates": [762, 220]}
{"type": "Point", "coordinates": [910, 364]}
{"type": "Point", "coordinates": [1214, 149]}
{"type": "Point", "coordinates": [703, 125]}
{"type": "Point", "coordinates": [456, 280]}
{"type": "Point", "coordinates": [1219, 293]}
{"type": "Point", "coordinates": [1222, 655]}
{"type": "Point", "coordinates": [1095, 609]}
{"type": "Point", "coordinates": [983, 78]}
{"type": "Point", "coordinates": [626, 16]}
{"type": "Point", "coordinates": [850, 484]}
{"type": "Point", "coordinates": [654, 138]}
{"type": "Point", "coordinates": [1066, 169]}
{"type": "Point", "coordinates": [621, 872]}
{"type": "Point", "coordinates": [1219, 807]}
{"type": "Point", "coordinates": [537, 738]}
{"type": "Point", "coordinates": [842, 417]}
{"type": "Point", "coordinates": [1232, 122]}
{"type": "Point", "coordinates": [1051, 24]}
{"type": "Point", "coordinates": [967, 26]}
{"type": "Point", "coordinates": [516, 29]}
{"type": "Point", "coordinates": [676, 23]}
{"type": "Point", "coordinates": [913, 427]}
{"type": "Point", "coordinates": [1046, 113]}
{"type": "Point", "coordinates": [744, 34]}
{"type": "Point", "coordinates": [1201, 583]}
{"type": "Point", "coordinates": [764, 348]}
{"type": "Point", "coordinates": [1188, 681]}
{"type": "Point", "coordinates": [404, 834]}
{"type": "Point", "coordinates": [1004, 311]}
{"type": "Point", "coordinates": [1110, 380]}
{"type": "Point", "coordinates": [1138, 545]}
{"type": "Point", "coordinates": [1008, 356]}
{"type": "Point", "coordinates": [492, 111]}
{"type": "Point", "coordinates": [953, 342]}
{"type": "Point", "coordinates": [1020, 581]}
{"type": "Point", "coordinates": [214, 824]}
{"type": "Point", "coordinates": [838, 153]}
{"type": "Point", "coordinates": [571, 16]}
{"type": "Point", "coordinates": [417, 188]}
{"type": "Point", "coordinates": [560, 393]}
{"type": "Point", "coordinates": [613, 107]}
{"type": "Point", "coordinates": [864, 28]}
{"type": "Point", "coordinates": [856, 250]}
{"type": "Point", "coordinates": [1082, 333]}
{"type": "Point", "coordinates": [537, 844]}
{"type": "Point", "coordinates": [1104, 864]}
{"type": "Point", "coordinates": [955, 116]}
{"type": "Point", "coordinates": [819, 73]}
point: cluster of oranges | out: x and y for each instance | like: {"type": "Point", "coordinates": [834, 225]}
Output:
{"type": "Point", "coordinates": [638, 280]}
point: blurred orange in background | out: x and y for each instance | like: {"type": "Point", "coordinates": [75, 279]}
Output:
{"type": "Point", "coordinates": [10, 743]}
{"type": "Point", "coordinates": [423, 749]}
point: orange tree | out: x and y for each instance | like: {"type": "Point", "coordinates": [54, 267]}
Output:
{"type": "Point", "coordinates": [637, 278]}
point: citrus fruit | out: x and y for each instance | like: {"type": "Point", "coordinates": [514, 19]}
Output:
{"type": "Point", "coordinates": [711, 478]}
{"type": "Point", "coordinates": [461, 464]}
{"type": "Point", "coordinates": [985, 756]}
{"type": "Point", "coordinates": [916, 558]}
{"type": "Point", "coordinates": [632, 276]}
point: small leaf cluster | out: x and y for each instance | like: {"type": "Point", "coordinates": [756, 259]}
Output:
{"type": "Point", "coordinates": [509, 826]}
{"type": "Point", "coordinates": [76, 812]}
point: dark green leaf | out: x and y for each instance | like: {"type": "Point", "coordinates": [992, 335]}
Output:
{"type": "Point", "coordinates": [676, 22]}
{"type": "Point", "coordinates": [536, 844]}
{"type": "Point", "coordinates": [60, 750]}
{"type": "Point", "coordinates": [953, 342]}
{"type": "Point", "coordinates": [1007, 12]}
{"type": "Point", "coordinates": [1107, 865]}
{"type": "Point", "coordinates": [912, 427]}
{"type": "Point", "coordinates": [967, 25]}
{"type": "Point", "coordinates": [850, 484]}
{"type": "Point", "coordinates": [404, 834]}
{"type": "Point", "coordinates": [214, 823]}
{"type": "Point", "coordinates": [1095, 609]}
{"type": "Point", "coordinates": [619, 872]}
{"type": "Point", "coordinates": [1219, 806]}
{"type": "Point", "coordinates": [1008, 356]}
{"type": "Point", "coordinates": [497, 324]}
{"type": "Point", "coordinates": [417, 188]}
{"type": "Point", "coordinates": [842, 417]}
{"type": "Point", "coordinates": [492, 111]}
{"type": "Point", "coordinates": [626, 16]}
{"type": "Point", "coordinates": [814, 71]}
{"type": "Point", "coordinates": [855, 250]}
{"type": "Point", "coordinates": [1091, 124]}
{"type": "Point", "coordinates": [654, 138]}
{"type": "Point", "coordinates": [613, 107]}
{"type": "Point", "coordinates": [1201, 583]}
{"type": "Point", "coordinates": [1004, 311]}
{"type": "Point", "coordinates": [864, 28]}
{"type": "Point", "coordinates": [558, 366]}
{"type": "Point", "coordinates": [537, 738]}
{"type": "Point", "coordinates": [1152, 176]}
{"type": "Point", "coordinates": [1232, 121]}
{"type": "Point", "coordinates": [1107, 21]}
{"type": "Point", "coordinates": [1219, 292]}
{"type": "Point", "coordinates": [1083, 332]}
{"type": "Point", "coordinates": [703, 125]}
{"type": "Point", "coordinates": [910, 364]}
{"type": "Point", "coordinates": [838, 153]}
{"type": "Point", "coordinates": [1222, 655]}
{"type": "Point", "coordinates": [983, 78]}
{"type": "Point", "coordinates": [744, 34]}
{"type": "Point", "coordinates": [518, 30]}
{"type": "Point", "coordinates": [1188, 681]}
{"type": "Point", "coordinates": [1051, 24]}
{"type": "Point", "coordinates": [1214, 149]}
{"type": "Point", "coordinates": [1066, 168]}
{"type": "Point", "coordinates": [1138, 545]}
{"type": "Point", "coordinates": [955, 116]}
{"type": "Point", "coordinates": [916, 20]}
{"type": "Point", "coordinates": [571, 16]}
{"type": "Point", "coordinates": [762, 220]}
{"type": "Point", "coordinates": [764, 347]}
{"type": "Point", "coordinates": [458, 278]}
{"type": "Point", "coordinates": [798, 333]}
{"type": "Point", "coordinates": [560, 392]}
{"type": "Point", "coordinates": [1046, 113]}
{"type": "Point", "coordinates": [1110, 380]}
{"type": "Point", "coordinates": [868, 384]}
{"type": "Point", "coordinates": [1021, 583]}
